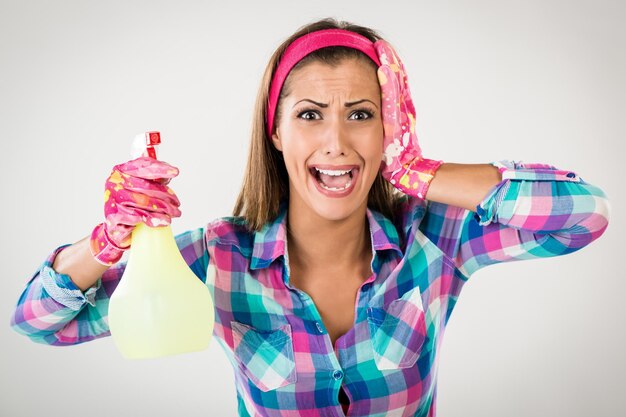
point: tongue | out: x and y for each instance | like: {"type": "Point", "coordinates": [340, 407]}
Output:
{"type": "Point", "coordinates": [334, 181]}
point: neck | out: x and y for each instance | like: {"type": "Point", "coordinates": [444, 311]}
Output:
{"type": "Point", "coordinates": [314, 241]}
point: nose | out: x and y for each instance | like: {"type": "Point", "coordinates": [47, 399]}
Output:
{"type": "Point", "coordinates": [336, 141]}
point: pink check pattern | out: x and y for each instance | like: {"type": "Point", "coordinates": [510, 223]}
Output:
{"type": "Point", "coordinates": [272, 333]}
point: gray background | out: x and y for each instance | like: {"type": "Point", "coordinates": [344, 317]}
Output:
{"type": "Point", "coordinates": [538, 81]}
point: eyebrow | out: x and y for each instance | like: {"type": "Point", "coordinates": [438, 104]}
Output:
{"type": "Point", "coordinates": [324, 105]}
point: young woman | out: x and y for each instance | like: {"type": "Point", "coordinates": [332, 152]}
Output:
{"type": "Point", "coordinates": [348, 249]}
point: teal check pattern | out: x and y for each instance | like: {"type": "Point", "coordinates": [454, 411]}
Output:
{"type": "Point", "coordinates": [272, 333]}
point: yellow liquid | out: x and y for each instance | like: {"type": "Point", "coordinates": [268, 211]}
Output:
{"type": "Point", "coordinates": [160, 307]}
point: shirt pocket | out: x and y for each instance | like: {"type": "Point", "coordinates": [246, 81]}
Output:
{"type": "Point", "coordinates": [398, 332]}
{"type": "Point", "coordinates": [266, 356]}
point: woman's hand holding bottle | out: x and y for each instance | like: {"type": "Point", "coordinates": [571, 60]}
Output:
{"type": "Point", "coordinates": [135, 192]}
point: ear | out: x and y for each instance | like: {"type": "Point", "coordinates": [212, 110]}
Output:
{"type": "Point", "coordinates": [276, 141]}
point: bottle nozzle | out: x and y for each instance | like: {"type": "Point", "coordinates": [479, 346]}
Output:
{"type": "Point", "coordinates": [144, 144]}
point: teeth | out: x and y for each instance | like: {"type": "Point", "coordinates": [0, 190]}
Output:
{"type": "Point", "coordinates": [334, 188]}
{"type": "Point", "coordinates": [333, 172]}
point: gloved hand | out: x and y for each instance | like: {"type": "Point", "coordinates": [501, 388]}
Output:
{"type": "Point", "coordinates": [135, 192]}
{"type": "Point", "coordinates": [403, 164]}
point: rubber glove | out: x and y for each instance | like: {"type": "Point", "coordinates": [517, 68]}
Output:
{"type": "Point", "coordinates": [135, 192]}
{"type": "Point", "coordinates": [403, 164]}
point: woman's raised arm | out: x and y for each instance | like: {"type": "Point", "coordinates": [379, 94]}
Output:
{"type": "Point", "coordinates": [462, 185]}
{"type": "Point", "coordinates": [536, 210]}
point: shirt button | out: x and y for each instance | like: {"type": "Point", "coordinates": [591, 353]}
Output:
{"type": "Point", "coordinates": [319, 327]}
{"type": "Point", "coordinates": [338, 374]}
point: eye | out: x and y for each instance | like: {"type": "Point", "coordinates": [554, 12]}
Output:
{"type": "Point", "coordinates": [309, 115]}
{"type": "Point", "coordinates": [361, 115]}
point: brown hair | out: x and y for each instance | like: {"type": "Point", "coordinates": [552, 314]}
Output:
{"type": "Point", "coordinates": [266, 183]}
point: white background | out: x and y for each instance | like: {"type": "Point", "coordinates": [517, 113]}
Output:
{"type": "Point", "coordinates": [538, 81]}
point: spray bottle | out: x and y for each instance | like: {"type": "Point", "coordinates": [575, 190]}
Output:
{"type": "Point", "coordinates": [160, 307]}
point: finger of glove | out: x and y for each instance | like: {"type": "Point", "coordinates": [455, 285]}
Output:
{"type": "Point", "coordinates": [153, 218]}
{"type": "Point", "coordinates": [148, 168]}
{"type": "Point", "coordinates": [400, 144]}
{"type": "Point", "coordinates": [121, 223]}
{"type": "Point", "coordinates": [386, 54]}
{"type": "Point", "coordinates": [120, 234]}
{"type": "Point", "coordinates": [394, 81]}
{"type": "Point", "coordinates": [141, 201]}
{"type": "Point", "coordinates": [392, 111]}
{"type": "Point", "coordinates": [392, 143]}
{"type": "Point", "coordinates": [129, 216]}
{"type": "Point", "coordinates": [389, 57]}
{"type": "Point", "coordinates": [118, 186]}
{"type": "Point", "coordinates": [119, 181]}
{"type": "Point", "coordinates": [390, 98]}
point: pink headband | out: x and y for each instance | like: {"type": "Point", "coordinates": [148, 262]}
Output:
{"type": "Point", "coordinates": [303, 46]}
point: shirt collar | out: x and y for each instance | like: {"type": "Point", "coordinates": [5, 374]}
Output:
{"type": "Point", "coordinates": [271, 241]}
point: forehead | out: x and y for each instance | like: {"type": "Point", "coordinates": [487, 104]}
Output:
{"type": "Point", "coordinates": [348, 76]}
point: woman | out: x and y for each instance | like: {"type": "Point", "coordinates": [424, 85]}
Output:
{"type": "Point", "coordinates": [335, 278]}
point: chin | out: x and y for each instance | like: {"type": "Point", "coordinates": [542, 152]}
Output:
{"type": "Point", "coordinates": [335, 210]}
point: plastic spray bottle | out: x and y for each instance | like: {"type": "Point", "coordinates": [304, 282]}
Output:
{"type": "Point", "coordinates": [160, 307]}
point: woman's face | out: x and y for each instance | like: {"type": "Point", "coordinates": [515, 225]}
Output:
{"type": "Point", "coordinates": [331, 135]}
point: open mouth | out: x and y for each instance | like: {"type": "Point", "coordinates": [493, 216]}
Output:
{"type": "Point", "coordinates": [338, 180]}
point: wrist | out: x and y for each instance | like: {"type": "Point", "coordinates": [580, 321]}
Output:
{"type": "Point", "coordinates": [416, 176]}
{"type": "Point", "coordinates": [103, 249]}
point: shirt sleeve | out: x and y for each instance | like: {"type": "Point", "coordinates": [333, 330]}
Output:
{"type": "Point", "coordinates": [52, 310]}
{"type": "Point", "coordinates": [536, 211]}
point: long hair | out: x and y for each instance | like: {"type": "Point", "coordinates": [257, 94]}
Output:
{"type": "Point", "coordinates": [266, 183]}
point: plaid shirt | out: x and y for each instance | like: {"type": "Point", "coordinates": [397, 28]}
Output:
{"type": "Point", "coordinates": [272, 333]}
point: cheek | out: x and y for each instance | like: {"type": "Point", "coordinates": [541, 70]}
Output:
{"type": "Point", "coordinates": [372, 147]}
{"type": "Point", "coordinates": [299, 142]}
{"type": "Point", "coordinates": [374, 136]}
{"type": "Point", "coordinates": [295, 153]}
{"type": "Point", "coordinates": [372, 152]}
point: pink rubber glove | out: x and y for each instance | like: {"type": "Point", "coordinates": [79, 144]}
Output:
{"type": "Point", "coordinates": [403, 164]}
{"type": "Point", "coordinates": [135, 192]}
